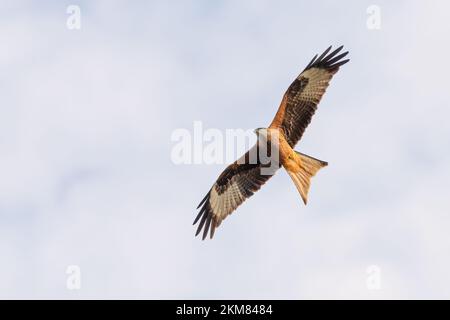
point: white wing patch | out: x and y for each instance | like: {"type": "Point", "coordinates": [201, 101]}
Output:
{"type": "Point", "coordinates": [224, 204]}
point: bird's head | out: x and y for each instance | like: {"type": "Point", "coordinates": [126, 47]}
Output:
{"type": "Point", "coordinates": [260, 131]}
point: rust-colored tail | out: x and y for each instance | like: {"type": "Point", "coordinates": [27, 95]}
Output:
{"type": "Point", "coordinates": [307, 168]}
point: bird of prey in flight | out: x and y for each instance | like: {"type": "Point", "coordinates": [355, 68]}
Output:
{"type": "Point", "coordinates": [244, 177]}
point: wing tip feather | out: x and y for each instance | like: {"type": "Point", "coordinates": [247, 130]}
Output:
{"type": "Point", "coordinates": [207, 222]}
{"type": "Point", "coordinates": [329, 61]}
{"type": "Point", "coordinates": [248, 180]}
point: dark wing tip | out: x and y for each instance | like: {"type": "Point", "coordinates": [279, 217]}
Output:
{"type": "Point", "coordinates": [206, 229]}
{"type": "Point", "coordinates": [340, 63]}
{"type": "Point", "coordinates": [213, 228]}
{"type": "Point", "coordinates": [203, 201]}
{"type": "Point", "coordinates": [329, 61]}
{"type": "Point", "coordinates": [206, 220]}
{"type": "Point", "coordinates": [202, 210]}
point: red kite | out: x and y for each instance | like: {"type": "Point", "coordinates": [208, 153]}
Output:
{"type": "Point", "coordinates": [243, 177]}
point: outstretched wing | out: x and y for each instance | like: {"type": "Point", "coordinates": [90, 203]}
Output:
{"type": "Point", "coordinates": [303, 95]}
{"type": "Point", "coordinates": [236, 183]}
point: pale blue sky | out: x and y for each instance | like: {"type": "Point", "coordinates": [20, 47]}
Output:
{"type": "Point", "coordinates": [87, 179]}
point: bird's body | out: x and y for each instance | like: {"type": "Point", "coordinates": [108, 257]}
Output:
{"type": "Point", "coordinates": [274, 147]}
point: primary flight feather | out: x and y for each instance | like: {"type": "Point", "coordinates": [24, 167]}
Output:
{"type": "Point", "coordinates": [245, 176]}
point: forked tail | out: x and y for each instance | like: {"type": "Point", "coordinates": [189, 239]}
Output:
{"type": "Point", "coordinates": [306, 168]}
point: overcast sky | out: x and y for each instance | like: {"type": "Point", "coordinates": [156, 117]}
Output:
{"type": "Point", "coordinates": [87, 179]}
